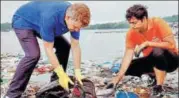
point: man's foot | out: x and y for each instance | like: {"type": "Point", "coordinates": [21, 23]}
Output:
{"type": "Point", "coordinates": [149, 79]}
{"type": "Point", "coordinates": [153, 81]}
{"type": "Point", "coordinates": [157, 90]}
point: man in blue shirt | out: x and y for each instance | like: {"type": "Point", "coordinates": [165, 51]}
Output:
{"type": "Point", "coordinates": [49, 21]}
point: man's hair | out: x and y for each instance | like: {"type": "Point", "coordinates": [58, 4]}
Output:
{"type": "Point", "coordinates": [138, 11]}
{"type": "Point", "coordinates": [79, 12]}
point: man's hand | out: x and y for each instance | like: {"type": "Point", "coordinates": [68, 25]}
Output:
{"type": "Point", "coordinates": [114, 82]}
{"type": "Point", "coordinates": [63, 78]}
{"type": "Point", "coordinates": [78, 76]}
{"type": "Point", "coordinates": [124, 66]}
{"type": "Point", "coordinates": [140, 48]}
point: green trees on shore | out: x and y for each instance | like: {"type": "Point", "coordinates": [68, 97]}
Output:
{"type": "Point", "coordinates": [5, 27]}
{"type": "Point", "coordinates": [124, 24]}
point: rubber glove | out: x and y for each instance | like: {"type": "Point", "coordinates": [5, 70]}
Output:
{"type": "Point", "coordinates": [63, 78]}
{"type": "Point", "coordinates": [78, 76]}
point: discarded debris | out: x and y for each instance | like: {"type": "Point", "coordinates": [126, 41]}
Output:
{"type": "Point", "coordinates": [99, 75]}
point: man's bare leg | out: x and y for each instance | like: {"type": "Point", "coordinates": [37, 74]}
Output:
{"type": "Point", "coordinates": [160, 76]}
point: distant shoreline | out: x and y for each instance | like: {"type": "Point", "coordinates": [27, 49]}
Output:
{"type": "Point", "coordinates": [172, 19]}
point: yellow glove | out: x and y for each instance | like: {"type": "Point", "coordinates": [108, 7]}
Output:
{"type": "Point", "coordinates": [78, 75]}
{"type": "Point", "coordinates": [63, 78]}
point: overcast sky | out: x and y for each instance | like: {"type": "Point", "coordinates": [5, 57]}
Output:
{"type": "Point", "coordinates": [104, 11]}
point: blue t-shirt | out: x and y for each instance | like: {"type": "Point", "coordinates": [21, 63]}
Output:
{"type": "Point", "coordinates": [47, 18]}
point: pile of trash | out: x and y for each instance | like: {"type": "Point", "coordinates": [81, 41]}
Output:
{"type": "Point", "coordinates": [99, 72]}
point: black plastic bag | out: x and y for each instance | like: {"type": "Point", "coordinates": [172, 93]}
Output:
{"type": "Point", "coordinates": [54, 90]}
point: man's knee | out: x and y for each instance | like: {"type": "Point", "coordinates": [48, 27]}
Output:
{"type": "Point", "coordinates": [157, 52]}
{"type": "Point", "coordinates": [34, 56]}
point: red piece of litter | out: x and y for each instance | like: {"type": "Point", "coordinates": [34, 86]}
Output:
{"type": "Point", "coordinates": [76, 92]}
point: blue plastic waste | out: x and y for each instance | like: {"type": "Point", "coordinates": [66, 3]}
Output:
{"type": "Point", "coordinates": [106, 64]}
{"type": "Point", "coordinates": [115, 68]}
{"type": "Point", "coordinates": [123, 94]}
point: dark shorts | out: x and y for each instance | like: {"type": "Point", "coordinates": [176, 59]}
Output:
{"type": "Point", "coordinates": [159, 58]}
